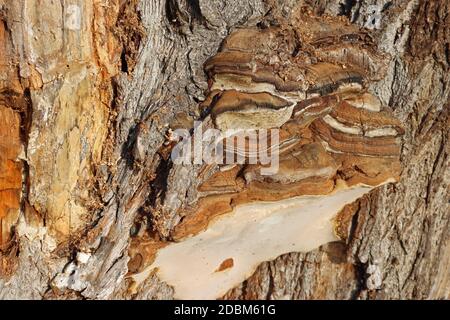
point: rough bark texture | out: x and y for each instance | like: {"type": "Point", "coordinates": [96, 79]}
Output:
{"type": "Point", "coordinates": [88, 91]}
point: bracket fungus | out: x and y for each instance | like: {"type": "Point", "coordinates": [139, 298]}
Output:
{"type": "Point", "coordinates": [308, 79]}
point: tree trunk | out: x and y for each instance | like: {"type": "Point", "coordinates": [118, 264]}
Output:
{"type": "Point", "coordinates": [89, 93]}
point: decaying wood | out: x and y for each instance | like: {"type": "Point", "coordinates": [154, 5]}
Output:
{"type": "Point", "coordinates": [90, 91]}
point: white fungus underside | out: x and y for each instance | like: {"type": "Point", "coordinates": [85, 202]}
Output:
{"type": "Point", "coordinates": [251, 234]}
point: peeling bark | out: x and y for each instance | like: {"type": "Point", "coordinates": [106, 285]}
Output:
{"type": "Point", "coordinates": [88, 92]}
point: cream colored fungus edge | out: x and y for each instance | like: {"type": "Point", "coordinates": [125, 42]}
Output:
{"type": "Point", "coordinates": [251, 234]}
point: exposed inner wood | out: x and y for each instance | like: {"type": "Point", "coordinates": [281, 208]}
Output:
{"type": "Point", "coordinates": [94, 93]}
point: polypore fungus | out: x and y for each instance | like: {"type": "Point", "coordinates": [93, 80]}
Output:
{"type": "Point", "coordinates": [238, 110]}
{"type": "Point", "coordinates": [336, 142]}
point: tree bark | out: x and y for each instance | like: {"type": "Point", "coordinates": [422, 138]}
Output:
{"type": "Point", "coordinates": [88, 90]}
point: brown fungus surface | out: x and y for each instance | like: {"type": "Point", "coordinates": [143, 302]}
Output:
{"type": "Point", "coordinates": [308, 79]}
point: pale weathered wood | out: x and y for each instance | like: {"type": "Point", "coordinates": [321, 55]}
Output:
{"type": "Point", "coordinates": [96, 98]}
